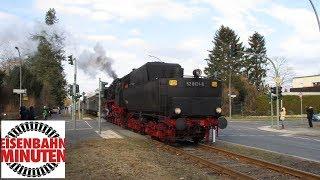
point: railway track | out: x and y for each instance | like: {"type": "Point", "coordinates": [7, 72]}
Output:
{"type": "Point", "coordinates": [235, 165]}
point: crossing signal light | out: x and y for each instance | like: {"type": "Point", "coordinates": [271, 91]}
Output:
{"type": "Point", "coordinates": [70, 89]}
{"type": "Point", "coordinates": [103, 86]}
{"type": "Point", "coordinates": [77, 88]}
{"type": "Point", "coordinates": [70, 60]}
{"type": "Point", "coordinates": [280, 92]}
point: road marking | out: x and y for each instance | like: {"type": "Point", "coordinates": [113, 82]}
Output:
{"type": "Point", "coordinates": [78, 129]}
{"type": "Point", "coordinates": [246, 135]}
{"type": "Point", "coordinates": [89, 124]}
{"type": "Point", "coordinates": [109, 134]}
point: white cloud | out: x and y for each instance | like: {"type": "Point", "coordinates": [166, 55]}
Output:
{"type": "Point", "coordinates": [135, 32]}
{"type": "Point", "coordinates": [6, 16]}
{"type": "Point", "coordinates": [101, 38]}
{"type": "Point", "coordinates": [304, 39]}
{"type": "Point", "coordinates": [124, 10]}
{"type": "Point", "coordinates": [136, 43]}
{"type": "Point", "coordinates": [239, 15]}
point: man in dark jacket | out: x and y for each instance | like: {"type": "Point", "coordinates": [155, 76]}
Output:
{"type": "Point", "coordinates": [31, 113]}
{"type": "Point", "coordinates": [23, 113]}
{"type": "Point", "coordinates": [310, 115]}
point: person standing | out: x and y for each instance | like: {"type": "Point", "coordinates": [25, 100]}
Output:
{"type": "Point", "coordinates": [282, 116]}
{"type": "Point", "coordinates": [23, 113]}
{"type": "Point", "coordinates": [31, 113]}
{"type": "Point", "coordinates": [310, 115]}
{"type": "Point", "coordinates": [45, 112]}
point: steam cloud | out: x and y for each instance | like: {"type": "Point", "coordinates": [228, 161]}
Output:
{"type": "Point", "coordinates": [91, 62]}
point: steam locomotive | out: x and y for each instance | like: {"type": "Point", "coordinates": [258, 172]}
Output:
{"type": "Point", "coordinates": [158, 100]}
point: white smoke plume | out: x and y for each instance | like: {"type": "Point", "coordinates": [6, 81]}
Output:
{"type": "Point", "coordinates": [90, 62]}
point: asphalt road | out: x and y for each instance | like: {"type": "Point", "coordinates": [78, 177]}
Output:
{"type": "Point", "coordinates": [247, 133]}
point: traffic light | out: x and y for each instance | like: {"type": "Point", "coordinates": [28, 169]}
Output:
{"type": "Point", "coordinates": [273, 90]}
{"type": "Point", "coordinates": [280, 92]}
{"type": "Point", "coordinates": [70, 60]}
{"type": "Point", "coordinates": [103, 87]}
{"type": "Point", "coordinates": [77, 88]}
{"type": "Point", "coordinates": [70, 89]}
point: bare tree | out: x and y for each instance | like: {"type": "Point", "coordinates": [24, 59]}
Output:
{"type": "Point", "coordinates": [286, 72]}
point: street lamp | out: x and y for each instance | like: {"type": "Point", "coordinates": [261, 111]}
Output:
{"type": "Point", "coordinates": [315, 12]}
{"type": "Point", "coordinates": [301, 99]}
{"type": "Point", "coordinates": [277, 80]}
{"type": "Point", "coordinates": [20, 87]}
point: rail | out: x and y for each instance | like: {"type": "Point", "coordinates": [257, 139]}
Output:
{"type": "Point", "coordinates": [262, 163]}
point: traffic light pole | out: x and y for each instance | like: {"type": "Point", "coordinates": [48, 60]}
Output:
{"type": "Point", "coordinates": [99, 113]}
{"type": "Point", "coordinates": [79, 108]}
{"type": "Point", "coordinates": [271, 106]}
{"type": "Point", "coordinates": [277, 92]}
{"type": "Point", "coordinates": [230, 98]}
{"type": "Point", "coordinates": [74, 95]}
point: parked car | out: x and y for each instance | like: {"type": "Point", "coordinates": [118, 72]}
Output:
{"type": "Point", "coordinates": [316, 117]}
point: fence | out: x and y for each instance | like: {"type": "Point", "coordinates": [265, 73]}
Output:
{"type": "Point", "coordinates": [262, 106]}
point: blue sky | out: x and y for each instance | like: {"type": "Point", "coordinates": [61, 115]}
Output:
{"type": "Point", "coordinates": [176, 31]}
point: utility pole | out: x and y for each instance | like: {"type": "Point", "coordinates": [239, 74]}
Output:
{"type": "Point", "coordinates": [278, 81]}
{"type": "Point", "coordinates": [301, 108]}
{"type": "Point", "coordinates": [20, 74]}
{"type": "Point", "coordinates": [99, 106]}
{"type": "Point", "coordinates": [83, 103]}
{"type": "Point", "coordinates": [230, 98]}
{"type": "Point", "coordinates": [79, 109]}
{"type": "Point", "coordinates": [277, 92]}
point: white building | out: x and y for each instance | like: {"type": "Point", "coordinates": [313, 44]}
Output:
{"type": "Point", "coordinates": [306, 85]}
{"type": "Point", "coordinates": [306, 81]}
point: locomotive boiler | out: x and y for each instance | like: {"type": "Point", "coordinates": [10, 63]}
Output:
{"type": "Point", "coordinates": [158, 100]}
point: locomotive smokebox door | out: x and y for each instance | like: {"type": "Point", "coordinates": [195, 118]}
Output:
{"type": "Point", "coordinates": [222, 122]}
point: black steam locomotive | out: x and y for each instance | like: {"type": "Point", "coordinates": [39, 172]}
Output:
{"type": "Point", "coordinates": [158, 100]}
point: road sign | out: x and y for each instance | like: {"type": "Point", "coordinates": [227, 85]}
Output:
{"type": "Point", "coordinates": [278, 80]}
{"type": "Point", "coordinates": [20, 91]}
{"type": "Point", "coordinates": [25, 98]}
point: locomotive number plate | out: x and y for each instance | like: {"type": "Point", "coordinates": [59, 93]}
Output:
{"type": "Point", "coordinates": [195, 84]}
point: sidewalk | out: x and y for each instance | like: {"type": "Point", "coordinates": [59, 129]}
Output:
{"type": "Point", "coordinates": [296, 129]}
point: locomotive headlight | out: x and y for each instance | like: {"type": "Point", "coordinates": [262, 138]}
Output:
{"type": "Point", "coordinates": [197, 73]}
{"type": "Point", "coordinates": [177, 110]}
{"type": "Point", "coordinates": [173, 82]}
{"type": "Point", "coordinates": [218, 110]}
{"type": "Point", "coordinates": [214, 84]}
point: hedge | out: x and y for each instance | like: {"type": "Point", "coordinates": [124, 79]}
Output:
{"type": "Point", "coordinates": [291, 103]}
